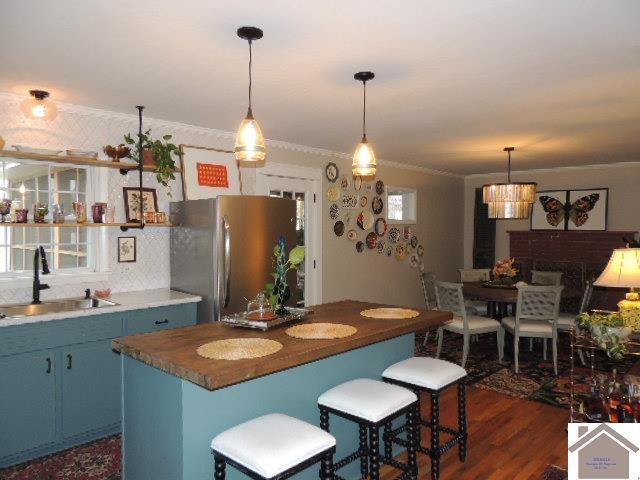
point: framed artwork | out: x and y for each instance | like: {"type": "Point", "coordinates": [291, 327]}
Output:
{"type": "Point", "coordinates": [126, 249]}
{"type": "Point", "coordinates": [132, 202]}
{"type": "Point", "coordinates": [208, 172]}
{"type": "Point", "coordinates": [584, 209]}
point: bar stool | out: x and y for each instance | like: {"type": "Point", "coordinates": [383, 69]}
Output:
{"type": "Point", "coordinates": [273, 446]}
{"type": "Point", "coordinates": [432, 375]}
{"type": "Point", "coordinates": [373, 404]}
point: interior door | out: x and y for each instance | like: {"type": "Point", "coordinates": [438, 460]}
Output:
{"type": "Point", "coordinates": [90, 388]}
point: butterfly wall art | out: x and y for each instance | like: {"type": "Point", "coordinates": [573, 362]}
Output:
{"type": "Point", "coordinates": [570, 210]}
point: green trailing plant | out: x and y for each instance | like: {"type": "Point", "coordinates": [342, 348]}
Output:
{"type": "Point", "coordinates": [278, 291]}
{"type": "Point", "coordinates": [163, 153]}
{"type": "Point", "coordinates": [608, 331]}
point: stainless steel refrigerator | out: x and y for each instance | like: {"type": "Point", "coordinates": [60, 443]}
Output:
{"type": "Point", "coordinates": [222, 249]}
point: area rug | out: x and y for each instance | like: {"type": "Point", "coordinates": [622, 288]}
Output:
{"type": "Point", "coordinates": [554, 473]}
{"type": "Point", "coordinates": [99, 460]}
{"type": "Point", "coordinates": [536, 379]}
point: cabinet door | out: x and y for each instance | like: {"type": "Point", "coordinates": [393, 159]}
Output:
{"type": "Point", "coordinates": [27, 401]}
{"type": "Point", "coordinates": [90, 387]}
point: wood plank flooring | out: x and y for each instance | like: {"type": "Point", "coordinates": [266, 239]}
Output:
{"type": "Point", "coordinates": [509, 438]}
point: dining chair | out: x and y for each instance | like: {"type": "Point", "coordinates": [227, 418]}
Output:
{"type": "Point", "coordinates": [476, 275]}
{"type": "Point", "coordinates": [449, 297]}
{"type": "Point", "coordinates": [537, 312]}
{"type": "Point", "coordinates": [568, 321]}
{"type": "Point", "coordinates": [539, 277]}
{"type": "Point", "coordinates": [427, 280]}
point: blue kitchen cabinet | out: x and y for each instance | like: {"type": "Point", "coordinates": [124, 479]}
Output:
{"type": "Point", "coordinates": [27, 401]}
{"type": "Point", "coordinates": [60, 381]}
{"type": "Point", "coordinates": [90, 388]}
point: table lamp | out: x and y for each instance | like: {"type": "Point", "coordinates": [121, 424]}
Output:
{"type": "Point", "coordinates": [623, 271]}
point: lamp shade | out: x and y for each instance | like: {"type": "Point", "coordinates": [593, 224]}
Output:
{"type": "Point", "coordinates": [364, 160]}
{"type": "Point", "coordinates": [250, 145]}
{"type": "Point", "coordinates": [623, 269]}
{"type": "Point", "coordinates": [508, 210]}
{"type": "Point", "coordinates": [509, 192]}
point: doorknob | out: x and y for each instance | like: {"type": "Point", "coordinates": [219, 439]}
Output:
{"type": "Point", "coordinates": [69, 359]}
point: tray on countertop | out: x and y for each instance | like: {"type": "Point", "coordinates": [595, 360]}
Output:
{"type": "Point", "coordinates": [240, 320]}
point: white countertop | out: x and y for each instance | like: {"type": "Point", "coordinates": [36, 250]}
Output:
{"type": "Point", "coordinates": [126, 301]}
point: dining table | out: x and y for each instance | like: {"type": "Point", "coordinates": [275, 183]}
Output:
{"type": "Point", "coordinates": [498, 298]}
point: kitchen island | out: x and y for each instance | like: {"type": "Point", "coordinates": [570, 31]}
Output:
{"type": "Point", "coordinates": [175, 402]}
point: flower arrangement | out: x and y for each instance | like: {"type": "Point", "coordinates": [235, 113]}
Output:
{"type": "Point", "coordinates": [608, 331]}
{"type": "Point", "coordinates": [278, 292]}
{"type": "Point", "coordinates": [504, 271]}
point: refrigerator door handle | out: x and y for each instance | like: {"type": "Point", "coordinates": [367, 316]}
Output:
{"type": "Point", "coordinates": [226, 232]}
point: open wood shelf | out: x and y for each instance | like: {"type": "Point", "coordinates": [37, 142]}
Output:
{"type": "Point", "coordinates": [84, 161]}
{"type": "Point", "coordinates": [82, 225]}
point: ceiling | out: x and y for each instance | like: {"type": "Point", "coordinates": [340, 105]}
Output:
{"type": "Point", "coordinates": [455, 81]}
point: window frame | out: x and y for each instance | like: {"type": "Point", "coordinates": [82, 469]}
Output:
{"type": "Point", "coordinates": [409, 205]}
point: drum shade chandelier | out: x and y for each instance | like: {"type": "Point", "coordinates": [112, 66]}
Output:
{"type": "Point", "coordinates": [509, 200]}
{"type": "Point", "coordinates": [364, 160]}
{"type": "Point", "coordinates": [250, 145]}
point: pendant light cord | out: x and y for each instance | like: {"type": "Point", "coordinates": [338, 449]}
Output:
{"type": "Point", "coordinates": [509, 167]}
{"type": "Point", "coordinates": [250, 63]}
{"type": "Point", "coordinates": [364, 110]}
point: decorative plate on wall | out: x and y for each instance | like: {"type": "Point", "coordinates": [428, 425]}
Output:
{"type": "Point", "coordinates": [357, 182]}
{"type": "Point", "coordinates": [420, 250]}
{"type": "Point", "coordinates": [407, 233]}
{"type": "Point", "coordinates": [338, 228]}
{"type": "Point", "coordinates": [380, 247]}
{"type": "Point", "coordinates": [333, 194]}
{"type": "Point", "coordinates": [414, 241]}
{"type": "Point", "coordinates": [377, 205]}
{"type": "Point", "coordinates": [350, 200]}
{"type": "Point", "coordinates": [389, 251]}
{"type": "Point", "coordinates": [334, 211]}
{"type": "Point", "coordinates": [380, 227]}
{"type": "Point", "coordinates": [401, 251]}
{"type": "Point", "coordinates": [344, 182]}
{"type": "Point", "coordinates": [413, 260]}
{"type": "Point", "coordinates": [331, 171]}
{"type": "Point", "coordinates": [359, 247]}
{"type": "Point", "coordinates": [365, 220]}
{"type": "Point", "coordinates": [372, 240]}
{"type": "Point", "coordinates": [363, 201]}
{"type": "Point", "coordinates": [379, 187]}
{"type": "Point", "coordinates": [394, 235]}
{"type": "Point", "coordinates": [368, 186]}
{"type": "Point", "coordinates": [352, 235]}
{"type": "Point", "coordinates": [347, 218]}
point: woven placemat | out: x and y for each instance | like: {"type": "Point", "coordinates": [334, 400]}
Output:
{"type": "Point", "coordinates": [390, 313]}
{"type": "Point", "coordinates": [318, 331]}
{"type": "Point", "coordinates": [238, 348]}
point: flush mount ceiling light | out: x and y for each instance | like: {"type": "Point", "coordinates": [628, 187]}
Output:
{"type": "Point", "coordinates": [509, 200]}
{"type": "Point", "coordinates": [249, 140]}
{"type": "Point", "coordinates": [39, 105]}
{"type": "Point", "coordinates": [364, 160]}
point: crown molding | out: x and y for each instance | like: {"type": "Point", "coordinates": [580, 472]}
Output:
{"type": "Point", "coordinates": [593, 166]}
{"type": "Point", "coordinates": [193, 129]}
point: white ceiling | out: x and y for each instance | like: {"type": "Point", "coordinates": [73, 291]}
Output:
{"type": "Point", "coordinates": [456, 80]}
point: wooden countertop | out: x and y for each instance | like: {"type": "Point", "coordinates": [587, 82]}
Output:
{"type": "Point", "coordinates": [174, 351]}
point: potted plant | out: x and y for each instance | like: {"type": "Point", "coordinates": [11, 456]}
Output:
{"type": "Point", "coordinates": [278, 292]}
{"type": "Point", "coordinates": [159, 153]}
{"type": "Point", "coordinates": [607, 330]}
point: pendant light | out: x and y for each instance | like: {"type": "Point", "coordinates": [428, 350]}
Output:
{"type": "Point", "coordinates": [39, 106]}
{"type": "Point", "coordinates": [249, 140]}
{"type": "Point", "coordinates": [509, 200]}
{"type": "Point", "coordinates": [364, 160]}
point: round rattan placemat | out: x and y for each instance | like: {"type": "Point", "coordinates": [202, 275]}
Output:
{"type": "Point", "coordinates": [238, 348]}
{"type": "Point", "coordinates": [389, 313]}
{"type": "Point", "coordinates": [319, 331]}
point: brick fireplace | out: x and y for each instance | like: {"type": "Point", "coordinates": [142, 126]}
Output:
{"type": "Point", "coordinates": [581, 256]}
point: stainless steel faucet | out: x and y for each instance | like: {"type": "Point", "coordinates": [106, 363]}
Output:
{"type": "Point", "coordinates": [37, 286]}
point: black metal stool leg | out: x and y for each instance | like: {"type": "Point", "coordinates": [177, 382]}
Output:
{"type": "Point", "coordinates": [413, 419]}
{"type": "Point", "coordinates": [388, 447]}
{"type": "Point", "coordinates": [364, 452]}
{"type": "Point", "coordinates": [324, 419]}
{"type": "Point", "coordinates": [374, 453]}
{"type": "Point", "coordinates": [434, 451]}
{"type": "Point", "coordinates": [326, 467]}
{"type": "Point", "coordinates": [218, 469]}
{"type": "Point", "coordinates": [462, 421]}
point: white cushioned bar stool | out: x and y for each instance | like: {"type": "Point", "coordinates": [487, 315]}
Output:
{"type": "Point", "coordinates": [432, 375]}
{"type": "Point", "coordinates": [373, 404]}
{"type": "Point", "coordinates": [273, 446]}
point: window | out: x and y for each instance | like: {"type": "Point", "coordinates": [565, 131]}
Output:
{"type": "Point", "coordinates": [25, 184]}
{"type": "Point", "coordinates": [401, 205]}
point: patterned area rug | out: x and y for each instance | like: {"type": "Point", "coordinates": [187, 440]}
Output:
{"type": "Point", "coordinates": [554, 473]}
{"type": "Point", "coordinates": [536, 380]}
{"type": "Point", "coordinates": [99, 460]}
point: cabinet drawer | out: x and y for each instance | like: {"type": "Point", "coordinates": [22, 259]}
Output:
{"type": "Point", "coordinates": [160, 318]}
{"type": "Point", "coordinates": [57, 333]}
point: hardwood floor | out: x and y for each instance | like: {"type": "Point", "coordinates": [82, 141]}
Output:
{"type": "Point", "coordinates": [509, 438]}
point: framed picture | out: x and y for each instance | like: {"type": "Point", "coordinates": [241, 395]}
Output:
{"type": "Point", "coordinates": [584, 209]}
{"type": "Point", "coordinates": [132, 202]}
{"type": "Point", "coordinates": [208, 172]}
{"type": "Point", "coordinates": [126, 249]}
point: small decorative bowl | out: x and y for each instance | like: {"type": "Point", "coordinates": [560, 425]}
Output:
{"type": "Point", "coordinates": [116, 153]}
{"type": "Point", "coordinates": [106, 293]}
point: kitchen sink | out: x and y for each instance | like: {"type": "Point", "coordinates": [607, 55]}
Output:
{"type": "Point", "coordinates": [53, 306]}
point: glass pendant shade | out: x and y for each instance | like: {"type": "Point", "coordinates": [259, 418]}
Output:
{"type": "Point", "coordinates": [509, 192]}
{"type": "Point", "coordinates": [39, 106]}
{"type": "Point", "coordinates": [509, 210]}
{"type": "Point", "coordinates": [364, 160]}
{"type": "Point", "coordinates": [250, 146]}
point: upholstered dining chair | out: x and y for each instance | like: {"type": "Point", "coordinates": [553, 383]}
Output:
{"type": "Point", "coordinates": [537, 311]}
{"type": "Point", "coordinates": [449, 297]}
{"type": "Point", "coordinates": [476, 275]}
{"type": "Point", "coordinates": [427, 280]}
{"type": "Point", "coordinates": [568, 321]}
{"type": "Point", "coordinates": [546, 278]}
